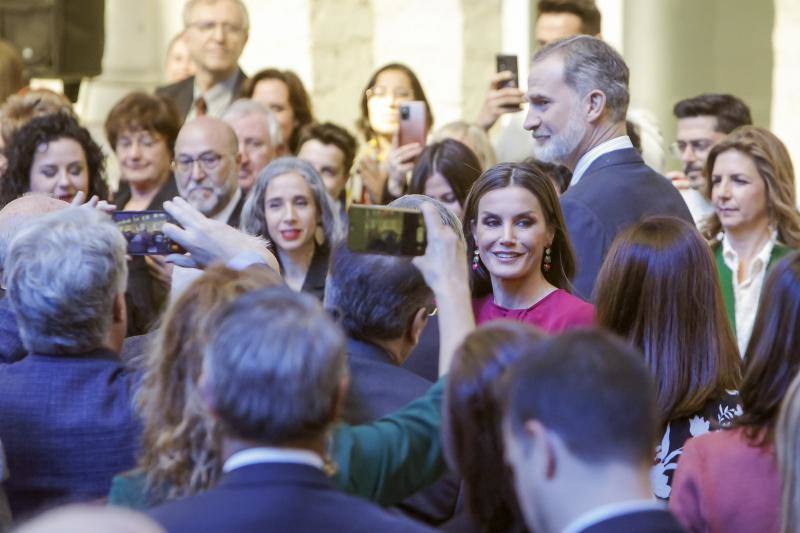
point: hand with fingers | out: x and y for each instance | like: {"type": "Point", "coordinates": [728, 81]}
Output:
{"type": "Point", "coordinates": [400, 162]}
{"type": "Point", "coordinates": [444, 267]}
{"type": "Point", "coordinates": [92, 203]}
{"type": "Point", "coordinates": [207, 240]}
{"type": "Point", "coordinates": [374, 176]}
{"type": "Point", "coordinates": [160, 270]}
{"type": "Point", "coordinates": [499, 100]}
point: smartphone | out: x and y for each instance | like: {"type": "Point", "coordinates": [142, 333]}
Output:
{"type": "Point", "coordinates": [142, 230]}
{"type": "Point", "coordinates": [377, 229]}
{"type": "Point", "coordinates": [508, 62]}
{"type": "Point", "coordinates": [413, 122]}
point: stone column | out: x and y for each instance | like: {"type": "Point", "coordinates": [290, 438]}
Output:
{"type": "Point", "coordinates": [786, 79]}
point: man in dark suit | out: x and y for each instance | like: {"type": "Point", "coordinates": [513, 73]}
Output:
{"type": "Point", "coordinates": [15, 216]}
{"type": "Point", "coordinates": [579, 426]}
{"type": "Point", "coordinates": [383, 305]}
{"type": "Point", "coordinates": [65, 409]}
{"type": "Point", "coordinates": [578, 95]}
{"type": "Point", "coordinates": [207, 164]}
{"type": "Point", "coordinates": [275, 376]}
{"type": "Point", "coordinates": [216, 33]}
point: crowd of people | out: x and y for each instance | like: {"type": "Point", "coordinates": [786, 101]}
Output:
{"type": "Point", "coordinates": [585, 345]}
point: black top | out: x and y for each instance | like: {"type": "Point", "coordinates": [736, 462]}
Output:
{"type": "Point", "coordinates": [145, 298]}
{"type": "Point", "coordinates": [317, 272]}
{"type": "Point", "coordinates": [716, 414]}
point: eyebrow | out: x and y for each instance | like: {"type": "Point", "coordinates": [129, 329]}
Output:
{"type": "Point", "coordinates": [528, 213]}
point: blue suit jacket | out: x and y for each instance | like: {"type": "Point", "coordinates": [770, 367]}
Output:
{"type": "Point", "coordinates": [67, 426]}
{"type": "Point", "coordinates": [11, 348]}
{"type": "Point", "coordinates": [377, 385]}
{"type": "Point", "coordinates": [617, 190]}
{"type": "Point", "coordinates": [277, 497]}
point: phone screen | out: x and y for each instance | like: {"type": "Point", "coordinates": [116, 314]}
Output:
{"type": "Point", "coordinates": [508, 62]}
{"type": "Point", "coordinates": [386, 230]}
{"type": "Point", "coordinates": [142, 230]}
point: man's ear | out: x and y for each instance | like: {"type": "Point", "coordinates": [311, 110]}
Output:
{"type": "Point", "coordinates": [339, 399]}
{"type": "Point", "coordinates": [418, 324]}
{"type": "Point", "coordinates": [542, 448]}
{"type": "Point", "coordinates": [119, 311]}
{"type": "Point", "coordinates": [596, 105]}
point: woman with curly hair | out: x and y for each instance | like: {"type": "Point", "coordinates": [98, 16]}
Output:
{"type": "Point", "coordinates": [53, 155]}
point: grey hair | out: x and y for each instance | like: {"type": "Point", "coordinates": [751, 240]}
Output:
{"type": "Point", "coordinates": [254, 221]}
{"type": "Point", "coordinates": [415, 201]}
{"type": "Point", "coordinates": [63, 273]}
{"type": "Point", "coordinates": [274, 364]}
{"type": "Point", "coordinates": [592, 64]}
{"type": "Point", "coordinates": [191, 4]}
{"type": "Point", "coordinates": [245, 106]}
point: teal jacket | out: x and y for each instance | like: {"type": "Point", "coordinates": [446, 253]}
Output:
{"type": "Point", "coordinates": [384, 461]}
{"type": "Point", "coordinates": [726, 277]}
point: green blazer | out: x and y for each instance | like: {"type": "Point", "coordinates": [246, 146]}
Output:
{"type": "Point", "coordinates": [384, 461]}
{"type": "Point", "coordinates": [726, 278]}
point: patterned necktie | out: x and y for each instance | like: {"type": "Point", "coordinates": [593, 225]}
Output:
{"type": "Point", "coordinates": [200, 106]}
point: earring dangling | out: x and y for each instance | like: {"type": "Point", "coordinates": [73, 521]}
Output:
{"type": "Point", "coordinates": [476, 258]}
{"type": "Point", "coordinates": [547, 259]}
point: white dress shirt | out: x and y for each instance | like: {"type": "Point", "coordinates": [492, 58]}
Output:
{"type": "Point", "coordinates": [611, 510]}
{"type": "Point", "coordinates": [617, 143]}
{"type": "Point", "coordinates": [218, 97]}
{"type": "Point", "coordinates": [747, 293]}
{"type": "Point", "coordinates": [254, 456]}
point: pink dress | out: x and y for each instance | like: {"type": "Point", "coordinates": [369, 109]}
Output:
{"type": "Point", "coordinates": [556, 312]}
{"type": "Point", "coordinates": [724, 484]}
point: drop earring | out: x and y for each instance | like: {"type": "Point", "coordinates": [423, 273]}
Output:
{"type": "Point", "coordinates": [547, 259]}
{"type": "Point", "coordinates": [476, 258]}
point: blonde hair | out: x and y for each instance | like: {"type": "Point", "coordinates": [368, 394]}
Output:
{"type": "Point", "coordinates": [180, 442]}
{"type": "Point", "coordinates": [787, 447]}
{"type": "Point", "coordinates": [20, 109]}
{"type": "Point", "coordinates": [774, 165]}
{"type": "Point", "coordinates": [472, 136]}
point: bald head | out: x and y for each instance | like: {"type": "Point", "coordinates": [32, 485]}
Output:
{"type": "Point", "coordinates": [19, 213]}
{"type": "Point", "coordinates": [207, 164]}
{"type": "Point", "coordinates": [80, 518]}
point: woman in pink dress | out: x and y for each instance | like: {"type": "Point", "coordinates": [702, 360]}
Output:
{"type": "Point", "coordinates": [522, 259]}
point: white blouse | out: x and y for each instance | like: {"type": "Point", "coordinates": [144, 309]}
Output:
{"type": "Point", "coordinates": [747, 293]}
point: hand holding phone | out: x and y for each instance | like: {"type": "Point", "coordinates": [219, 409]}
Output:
{"type": "Point", "coordinates": [386, 230]}
{"type": "Point", "coordinates": [143, 231]}
{"type": "Point", "coordinates": [508, 63]}
{"type": "Point", "coordinates": [413, 123]}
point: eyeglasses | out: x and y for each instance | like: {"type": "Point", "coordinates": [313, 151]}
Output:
{"type": "Point", "coordinates": [382, 92]}
{"type": "Point", "coordinates": [698, 146]}
{"type": "Point", "coordinates": [208, 161]}
{"type": "Point", "coordinates": [208, 26]}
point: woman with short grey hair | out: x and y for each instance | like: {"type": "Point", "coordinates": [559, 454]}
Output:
{"type": "Point", "coordinates": [290, 207]}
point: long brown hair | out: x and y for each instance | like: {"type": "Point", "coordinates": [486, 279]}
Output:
{"type": "Point", "coordinates": [473, 415]}
{"type": "Point", "coordinates": [180, 442]}
{"type": "Point", "coordinates": [773, 355]}
{"type": "Point", "coordinates": [298, 99]}
{"type": "Point", "coordinates": [534, 180]}
{"type": "Point", "coordinates": [774, 166]}
{"type": "Point", "coordinates": [658, 288]}
{"type": "Point", "coordinates": [419, 94]}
